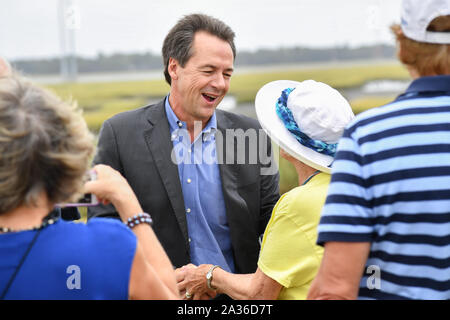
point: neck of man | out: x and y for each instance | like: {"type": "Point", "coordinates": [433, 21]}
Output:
{"type": "Point", "coordinates": [193, 124]}
{"type": "Point", "coordinates": [413, 73]}
{"type": "Point", "coordinates": [25, 216]}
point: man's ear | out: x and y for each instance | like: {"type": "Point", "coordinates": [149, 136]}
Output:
{"type": "Point", "coordinates": [173, 68]}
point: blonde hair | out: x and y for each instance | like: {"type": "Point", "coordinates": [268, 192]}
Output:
{"type": "Point", "coordinates": [45, 145]}
{"type": "Point", "coordinates": [427, 59]}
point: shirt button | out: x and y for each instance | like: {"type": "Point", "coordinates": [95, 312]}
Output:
{"type": "Point", "coordinates": [189, 240]}
{"type": "Point", "coordinates": [189, 180]}
{"type": "Point", "coordinates": [188, 210]}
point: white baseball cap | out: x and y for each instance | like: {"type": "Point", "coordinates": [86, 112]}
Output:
{"type": "Point", "coordinates": [417, 15]}
{"type": "Point", "coordinates": [320, 112]}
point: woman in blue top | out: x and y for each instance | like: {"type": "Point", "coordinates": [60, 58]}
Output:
{"type": "Point", "coordinates": [45, 150]}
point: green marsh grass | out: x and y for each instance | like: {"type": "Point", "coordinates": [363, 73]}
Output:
{"type": "Point", "coordinates": [100, 101]}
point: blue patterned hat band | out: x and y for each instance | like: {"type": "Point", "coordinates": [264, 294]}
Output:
{"type": "Point", "coordinates": [285, 114]}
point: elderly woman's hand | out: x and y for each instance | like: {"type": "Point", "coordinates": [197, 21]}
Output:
{"type": "Point", "coordinates": [112, 187]}
{"type": "Point", "coordinates": [192, 282]}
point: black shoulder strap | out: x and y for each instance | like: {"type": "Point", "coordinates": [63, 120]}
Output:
{"type": "Point", "coordinates": [5, 291]}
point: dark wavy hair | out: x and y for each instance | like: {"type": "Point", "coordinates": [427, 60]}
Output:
{"type": "Point", "coordinates": [178, 42]}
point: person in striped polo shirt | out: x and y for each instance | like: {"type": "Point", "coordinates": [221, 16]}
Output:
{"type": "Point", "coordinates": [386, 221]}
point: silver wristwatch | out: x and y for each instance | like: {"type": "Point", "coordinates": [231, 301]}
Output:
{"type": "Point", "coordinates": [209, 277]}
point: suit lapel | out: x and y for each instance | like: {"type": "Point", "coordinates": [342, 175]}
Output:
{"type": "Point", "coordinates": [229, 172]}
{"type": "Point", "coordinates": [224, 147]}
{"type": "Point", "coordinates": [157, 137]}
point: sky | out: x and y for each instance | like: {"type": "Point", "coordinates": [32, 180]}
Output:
{"type": "Point", "coordinates": [29, 29]}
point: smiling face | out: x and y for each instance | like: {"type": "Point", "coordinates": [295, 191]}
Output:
{"type": "Point", "coordinates": [199, 86]}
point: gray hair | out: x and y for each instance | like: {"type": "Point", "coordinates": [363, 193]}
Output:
{"type": "Point", "coordinates": [45, 145]}
{"type": "Point", "coordinates": [178, 42]}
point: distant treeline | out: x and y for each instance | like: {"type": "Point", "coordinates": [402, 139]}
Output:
{"type": "Point", "coordinates": [149, 61]}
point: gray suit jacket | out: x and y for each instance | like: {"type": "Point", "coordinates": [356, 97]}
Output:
{"type": "Point", "coordinates": [137, 143]}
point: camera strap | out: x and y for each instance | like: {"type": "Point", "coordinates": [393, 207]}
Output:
{"type": "Point", "coordinates": [51, 218]}
{"type": "Point", "coordinates": [5, 291]}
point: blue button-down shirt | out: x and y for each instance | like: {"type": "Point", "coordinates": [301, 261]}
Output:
{"type": "Point", "coordinates": [209, 233]}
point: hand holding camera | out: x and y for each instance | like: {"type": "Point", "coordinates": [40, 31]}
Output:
{"type": "Point", "coordinates": [111, 187]}
{"type": "Point", "coordinates": [88, 199]}
{"type": "Point", "coordinates": [106, 185]}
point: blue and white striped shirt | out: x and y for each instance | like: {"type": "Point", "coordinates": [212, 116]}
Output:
{"type": "Point", "coordinates": [391, 186]}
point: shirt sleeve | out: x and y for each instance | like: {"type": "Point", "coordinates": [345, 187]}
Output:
{"type": "Point", "coordinates": [347, 213]}
{"type": "Point", "coordinates": [288, 255]}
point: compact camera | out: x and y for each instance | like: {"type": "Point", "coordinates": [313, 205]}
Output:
{"type": "Point", "coordinates": [89, 199]}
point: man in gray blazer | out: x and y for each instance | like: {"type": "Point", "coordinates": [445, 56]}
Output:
{"type": "Point", "coordinates": [203, 211]}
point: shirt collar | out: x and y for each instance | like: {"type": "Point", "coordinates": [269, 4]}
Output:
{"type": "Point", "coordinates": [429, 85]}
{"type": "Point", "coordinates": [175, 123]}
{"type": "Point", "coordinates": [211, 126]}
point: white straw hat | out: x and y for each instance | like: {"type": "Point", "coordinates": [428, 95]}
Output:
{"type": "Point", "coordinates": [320, 112]}
{"type": "Point", "coordinates": [417, 15]}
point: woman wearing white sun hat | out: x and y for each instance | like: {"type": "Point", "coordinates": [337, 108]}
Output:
{"type": "Point", "coordinates": [306, 119]}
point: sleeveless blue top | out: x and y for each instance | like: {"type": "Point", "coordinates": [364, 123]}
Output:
{"type": "Point", "coordinates": [69, 261]}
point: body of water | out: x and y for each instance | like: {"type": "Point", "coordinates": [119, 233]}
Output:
{"type": "Point", "coordinates": [382, 88]}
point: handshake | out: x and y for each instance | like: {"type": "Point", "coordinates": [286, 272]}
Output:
{"type": "Point", "coordinates": [194, 282]}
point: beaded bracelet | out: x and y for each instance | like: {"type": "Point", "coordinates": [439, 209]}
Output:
{"type": "Point", "coordinates": [138, 219]}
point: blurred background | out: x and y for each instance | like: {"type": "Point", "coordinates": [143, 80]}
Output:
{"type": "Point", "coordinates": [105, 54]}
